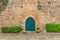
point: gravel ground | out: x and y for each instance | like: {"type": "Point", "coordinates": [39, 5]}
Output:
{"type": "Point", "coordinates": [30, 36]}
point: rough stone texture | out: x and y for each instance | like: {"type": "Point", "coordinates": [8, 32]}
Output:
{"type": "Point", "coordinates": [30, 36]}
{"type": "Point", "coordinates": [18, 11]}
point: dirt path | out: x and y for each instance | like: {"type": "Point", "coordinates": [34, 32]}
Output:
{"type": "Point", "coordinates": [30, 36]}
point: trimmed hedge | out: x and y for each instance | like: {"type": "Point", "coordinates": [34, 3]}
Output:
{"type": "Point", "coordinates": [53, 27]}
{"type": "Point", "coordinates": [13, 29]}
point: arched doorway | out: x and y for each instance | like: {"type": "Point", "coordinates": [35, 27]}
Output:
{"type": "Point", "coordinates": [30, 24]}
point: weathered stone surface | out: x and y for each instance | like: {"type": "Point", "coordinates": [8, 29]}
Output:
{"type": "Point", "coordinates": [18, 11]}
{"type": "Point", "coordinates": [30, 36]}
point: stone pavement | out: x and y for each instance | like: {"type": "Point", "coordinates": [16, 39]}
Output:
{"type": "Point", "coordinates": [30, 36]}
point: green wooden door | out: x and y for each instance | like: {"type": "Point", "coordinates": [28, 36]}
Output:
{"type": "Point", "coordinates": [30, 24]}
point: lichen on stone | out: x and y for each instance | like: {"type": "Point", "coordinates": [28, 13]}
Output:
{"type": "Point", "coordinates": [3, 5]}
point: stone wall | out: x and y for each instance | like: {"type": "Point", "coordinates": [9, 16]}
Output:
{"type": "Point", "coordinates": [18, 11]}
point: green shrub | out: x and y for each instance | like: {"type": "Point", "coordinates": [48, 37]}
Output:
{"type": "Point", "coordinates": [52, 27]}
{"type": "Point", "coordinates": [13, 29]}
{"type": "Point", "coordinates": [5, 2]}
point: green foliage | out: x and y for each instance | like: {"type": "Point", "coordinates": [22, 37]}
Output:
{"type": "Point", "coordinates": [3, 5]}
{"type": "Point", "coordinates": [5, 2]}
{"type": "Point", "coordinates": [13, 29]}
{"type": "Point", "coordinates": [52, 27]}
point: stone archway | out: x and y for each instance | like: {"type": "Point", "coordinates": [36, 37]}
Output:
{"type": "Point", "coordinates": [30, 24]}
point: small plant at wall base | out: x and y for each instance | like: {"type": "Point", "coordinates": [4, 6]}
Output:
{"type": "Point", "coordinates": [37, 30]}
{"type": "Point", "coordinates": [12, 29]}
{"type": "Point", "coordinates": [52, 27]}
